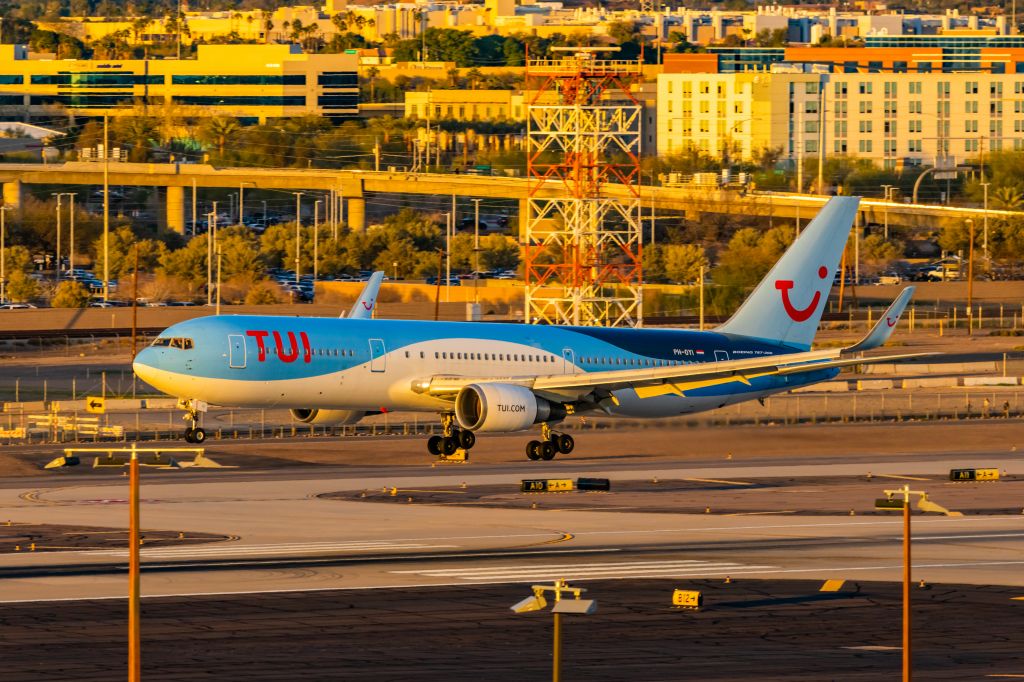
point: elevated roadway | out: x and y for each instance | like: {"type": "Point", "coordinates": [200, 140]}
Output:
{"type": "Point", "coordinates": [355, 185]}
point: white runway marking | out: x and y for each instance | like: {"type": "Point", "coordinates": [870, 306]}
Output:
{"type": "Point", "coordinates": [631, 569]}
{"type": "Point", "coordinates": [215, 551]}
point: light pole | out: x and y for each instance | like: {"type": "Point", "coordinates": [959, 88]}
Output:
{"type": "Point", "coordinates": [3, 253]}
{"type": "Point", "coordinates": [211, 236]}
{"type": "Point", "coordinates": [476, 250]}
{"type": "Point", "coordinates": [886, 188]}
{"type": "Point", "coordinates": [970, 277]}
{"type": "Point", "coordinates": [220, 255]}
{"type": "Point", "coordinates": [56, 275]}
{"type": "Point", "coordinates": [537, 602]}
{"type": "Point", "coordinates": [984, 238]}
{"type": "Point", "coordinates": [298, 225]}
{"type": "Point", "coordinates": [106, 209]}
{"type": "Point", "coordinates": [264, 215]}
{"type": "Point", "coordinates": [448, 229]}
{"type": "Point", "coordinates": [241, 201]}
{"type": "Point", "coordinates": [71, 221]}
{"type": "Point", "coordinates": [316, 237]}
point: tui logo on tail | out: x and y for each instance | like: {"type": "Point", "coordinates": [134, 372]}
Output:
{"type": "Point", "coordinates": [799, 314]}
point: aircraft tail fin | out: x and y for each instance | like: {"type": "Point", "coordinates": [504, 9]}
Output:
{"type": "Point", "coordinates": [886, 324]}
{"type": "Point", "coordinates": [362, 309]}
{"type": "Point", "coordinates": [787, 305]}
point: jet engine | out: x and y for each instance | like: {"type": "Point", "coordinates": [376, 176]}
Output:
{"type": "Point", "coordinates": [327, 417]}
{"type": "Point", "coordinates": [503, 408]}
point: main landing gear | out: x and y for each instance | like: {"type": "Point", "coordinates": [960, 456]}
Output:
{"type": "Point", "coordinates": [195, 433]}
{"type": "Point", "coordinates": [552, 444]}
{"type": "Point", "coordinates": [455, 444]}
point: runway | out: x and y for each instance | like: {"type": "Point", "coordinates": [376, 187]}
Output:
{"type": "Point", "coordinates": [287, 537]}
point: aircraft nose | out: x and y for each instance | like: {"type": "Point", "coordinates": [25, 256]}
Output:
{"type": "Point", "coordinates": [145, 361]}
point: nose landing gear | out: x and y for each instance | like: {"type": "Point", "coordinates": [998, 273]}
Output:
{"type": "Point", "coordinates": [194, 433]}
{"type": "Point", "coordinates": [454, 445]}
{"type": "Point", "coordinates": [552, 444]}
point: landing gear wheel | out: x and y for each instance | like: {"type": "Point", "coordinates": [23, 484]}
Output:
{"type": "Point", "coordinates": [198, 435]}
{"type": "Point", "coordinates": [434, 445]}
{"type": "Point", "coordinates": [564, 443]}
{"type": "Point", "coordinates": [448, 446]}
{"type": "Point", "coordinates": [547, 450]}
{"type": "Point", "coordinates": [533, 450]}
{"type": "Point", "coordinates": [466, 439]}
{"type": "Point", "coordinates": [189, 436]}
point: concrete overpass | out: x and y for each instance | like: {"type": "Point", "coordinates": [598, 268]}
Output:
{"type": "Point", "coordinates": [355, 185]}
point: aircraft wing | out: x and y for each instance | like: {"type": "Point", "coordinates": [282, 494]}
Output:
{"type": "Point", "coordinates": [677, 379]}
{"type": "Point", "coordinates": [362, 309]}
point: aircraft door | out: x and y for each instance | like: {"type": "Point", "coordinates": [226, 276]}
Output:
{"type": "Point", "coordinates": [569, 361]}
{"type": "Point", "coordinates": [378, 355]}
{"type": "Point", "coordinates": [236, 351]}
{"type": "Point", "coordinates": [721, 355]}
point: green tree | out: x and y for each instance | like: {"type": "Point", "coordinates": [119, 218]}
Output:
{"type": "Point", "coordinates": [683, 262]}
{"type": "Point", "coordinates": [188, 263]}
{"type": "Point", "coordinates": [17, 259]}
{"type": "Point", "coordinates": [21, 288]}
{"type": "Point", "coordinates": [499, 253]}
{"type": "Point", "coordinates": [876, 250]}
{"type": "Point", "coordinates": [264, 293]}
{"type": "Point", "coordinates": [122, 247]}
{"type": "Point", "coordinates": [218, 130]}
{"type": "Point", "coordinates": [70, 295]}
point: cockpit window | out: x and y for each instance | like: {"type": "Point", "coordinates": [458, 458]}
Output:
{"type": "Point", "coordinates": [174, 342]}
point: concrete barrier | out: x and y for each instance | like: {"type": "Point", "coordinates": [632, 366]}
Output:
{"type": "Point", "coordinates": [24, 407]}
{"type": "Point", "coordinates": [991, 381]}
{"type": "Point", "coordinates": [935, 368]}
{"type": "Point", "coordinates": [824, 387]}
{"type": "Point", "coordinates": [67, 405]}
{"type": "Point", "coordinates": [159, 404]}
{"type": "Point", "coordinates": [931, 382]}
{"type": "Point", "coordinates": [874, 384]}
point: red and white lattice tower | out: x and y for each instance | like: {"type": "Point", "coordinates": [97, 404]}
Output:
{"type": "Point", "coordinates": [582, 248]}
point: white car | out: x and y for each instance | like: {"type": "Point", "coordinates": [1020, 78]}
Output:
{"type": "Point", "coordinates": [17, 306]}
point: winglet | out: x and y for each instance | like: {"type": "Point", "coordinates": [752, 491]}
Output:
{"type": "Point", "coordinates": [362, 309]}
{"type": "Point", "coordinates": [886, 324]}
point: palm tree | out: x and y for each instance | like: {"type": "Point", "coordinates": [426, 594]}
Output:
{"type": "Point", "coordinates": [474, 75]}
{"type": "Point", "coordinates": [372, 74]}
{"type": "Point", "coordinates": [218, 130]}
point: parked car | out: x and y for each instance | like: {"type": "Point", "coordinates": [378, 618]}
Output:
{"type": "Point", "coordinates": [17, 306]}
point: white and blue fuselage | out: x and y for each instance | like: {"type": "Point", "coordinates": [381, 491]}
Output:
{"type": "Point", "coordinates": [372, 365]}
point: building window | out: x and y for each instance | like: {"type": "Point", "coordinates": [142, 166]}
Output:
{"type": "Point", "coordinates": [810, 88]}
{"type": "Point", "coordinates": [971, 126]}
{"type": "Point", "coordinates": [914, 146]}
{"type": "Point", "coordinates": [840, 146]}
{"type": "Point", "coordinates": [840, 89]}
{"type": "Point", "coordinates": [971, 88]}
{"type": "Point", "coordinates": [296, 79]}
{"type": "Point", "coordinates": [865, 127]}
{"type": "Point", "coordinates": [914, 88]}
{"type": "Point", "coordinates": [840, 128]}
{"type": "Point", "coordinates": [914, 107]}
{"type": "Point", "coordinates": [241, 101]}
{"type": "Point", "coordinates": [865, 146]}
{"type": "Point", "coordinates": [811, 146]}
{"type": "Point", "coordinates": [864, 88]}
{"type": "Point", "coordinates": [914, 126]}
{"type": "Point", "coordinates": [971, 107]}
{"type": "Point", "coordinates": [335, 79]}
{"type": "Point", "coordinates": [899, 67]}
{"type": "Point", "coordinates": [866, 107]}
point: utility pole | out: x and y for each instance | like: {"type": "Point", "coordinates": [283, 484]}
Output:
{"type": "Point", "coordinates": [193, 207]}
{"type": "Point", "coordinates": [701, 298]}
{"type": "Point", "coordinates": [448, 257]}
{"type": "Point", "coordinates": [134, 638]}
{"type": "Point", "coordinates": [220, 255]}
{"type": "Point", "coordinates": [106, 208]}
{"type": "Point", "coordinates": [888, 191]}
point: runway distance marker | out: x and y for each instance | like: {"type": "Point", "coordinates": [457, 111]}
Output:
{"type": "Point", "coordinates": [687, 599]}
{"type": "Point", "coordinates": [975, 474]}
{"type": "Point", "coordinates": [546, 485]}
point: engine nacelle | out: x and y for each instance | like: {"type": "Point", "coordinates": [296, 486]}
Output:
{"type": "Point", "coordinates": [327, 417]}
{"type": "Point", "coordinates": [503, 408]}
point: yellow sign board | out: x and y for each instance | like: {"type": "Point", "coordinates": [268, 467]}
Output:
{"type": "Point", "coordinates": [687, 599]}
{"type": "Point", "coordinates": [95, 404]}
{"type": "Point", "coordinates": [547, 485]}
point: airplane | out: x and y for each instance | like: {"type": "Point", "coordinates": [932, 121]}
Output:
{"type": "Point", "coordinates": [504, 378]}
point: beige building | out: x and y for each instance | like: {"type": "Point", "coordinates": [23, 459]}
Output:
{"type": "Point", "coordinates": [894, 119]}
{"type": "Point", "coordinates": [465, 105]}
{"type": "Point", "coordinates": [247, 81]}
